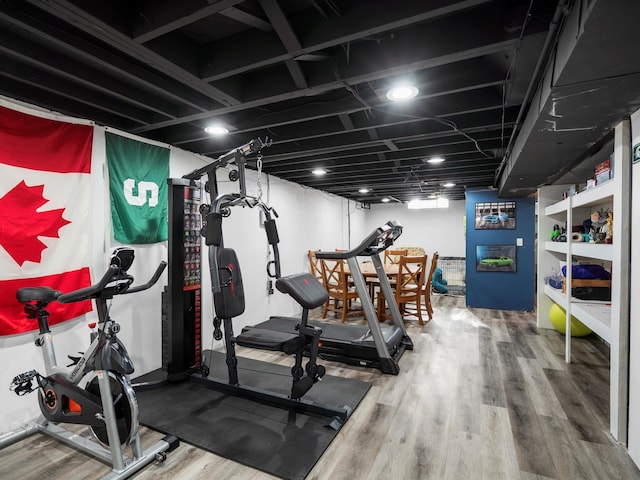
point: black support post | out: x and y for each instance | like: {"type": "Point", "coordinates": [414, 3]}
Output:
{"type": "Point", "coordinates": [182, 298]}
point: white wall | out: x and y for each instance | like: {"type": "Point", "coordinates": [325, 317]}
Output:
{"type": "Point", "coordinates": [634, 328]}
{"type": "Point", "coordinates": [436, 230]}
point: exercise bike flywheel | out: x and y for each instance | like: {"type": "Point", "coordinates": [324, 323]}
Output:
{"type": "Point", "coordinates": [125, 406]}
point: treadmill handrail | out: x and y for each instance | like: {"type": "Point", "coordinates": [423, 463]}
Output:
{"type": "Point", "coordinates": [377, 241]}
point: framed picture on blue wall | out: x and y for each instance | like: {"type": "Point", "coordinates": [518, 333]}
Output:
{"type": "Point", "coordinates": [495, 216]}
{"type": "Point", "coordinates": [496, 258]}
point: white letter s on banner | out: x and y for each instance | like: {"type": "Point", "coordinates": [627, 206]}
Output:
{"type": "Point", "coordinates": [143, 188]}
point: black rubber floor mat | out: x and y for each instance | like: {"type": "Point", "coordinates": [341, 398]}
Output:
{"type": "Point", "coordinates": [261, 436]}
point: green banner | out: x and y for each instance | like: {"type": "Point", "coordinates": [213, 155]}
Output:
{"type": "Point", "coordinates": [138, 175]}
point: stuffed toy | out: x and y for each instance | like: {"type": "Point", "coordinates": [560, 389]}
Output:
{"type": "Point", "coordinates": [438, 283]}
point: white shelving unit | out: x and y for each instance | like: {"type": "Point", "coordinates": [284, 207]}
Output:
{"type": "Point", "coordinates": [608, 320]}
{"type": "Point", "coordinates": [595, 315]}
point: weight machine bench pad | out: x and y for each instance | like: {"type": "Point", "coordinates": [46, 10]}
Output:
{"type": "Point", "coordinates": [304, 288]}
{"type": "Point", "coordinates": [263, 339]}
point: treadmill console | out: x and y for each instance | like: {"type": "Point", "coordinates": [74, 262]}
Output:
{"type": "Point", "coordinates": [377, 241]}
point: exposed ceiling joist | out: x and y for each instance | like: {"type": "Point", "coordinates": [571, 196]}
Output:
{"type": "Point", "coordinates": [313, 76]}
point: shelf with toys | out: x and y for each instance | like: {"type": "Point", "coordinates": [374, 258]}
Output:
{"type": "Point", "coordinates": [588, 248]}
{"type": "Point", "coordinates": [588, 229]}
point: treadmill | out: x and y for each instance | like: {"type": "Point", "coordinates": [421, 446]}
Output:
{"type": "Point", "coordinates": [373, 345]}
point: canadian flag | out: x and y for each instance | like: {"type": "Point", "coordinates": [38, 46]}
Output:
{"type": "Point", "coordinates": [45, 196]}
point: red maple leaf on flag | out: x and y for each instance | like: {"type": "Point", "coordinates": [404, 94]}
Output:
{"type": "Point", "coordinates": [22, 224]}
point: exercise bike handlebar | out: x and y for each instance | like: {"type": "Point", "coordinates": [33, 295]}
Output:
{"type": "Point", "coordinates": [91, 291]}
{"type": "Point", "coordinates": [152, 281]}
{"type": "Point", "coordinates": [112, 274]}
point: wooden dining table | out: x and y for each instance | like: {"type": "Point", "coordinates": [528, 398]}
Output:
{"type": "Point", "coordinates": [370, 275]}
{"type": "Point", "coordinates": [369, 270]}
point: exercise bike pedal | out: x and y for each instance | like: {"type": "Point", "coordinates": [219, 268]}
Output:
{"type": "Point", "coordinates": [23, 384]}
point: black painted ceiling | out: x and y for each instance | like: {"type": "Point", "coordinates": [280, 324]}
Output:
{"type": "Point", "coordinates": [310, 75]}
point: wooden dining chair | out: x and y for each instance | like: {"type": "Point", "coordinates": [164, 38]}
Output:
{"type": "Point", "coordinates": [409, 288]}
{"type": "Point", "coordinates": [314, 265]}
{"type": "Point", "coordinates": [427, 285]}
{"type": "Point", "coordinates": [393, 256]}
{"type": "Point", "coordinates": [315, 268]}
{"type": "Point", "coordinates": [336, 282]}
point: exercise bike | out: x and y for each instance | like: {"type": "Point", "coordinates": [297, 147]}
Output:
{"type": "Point", "coordinates": [97, 392]}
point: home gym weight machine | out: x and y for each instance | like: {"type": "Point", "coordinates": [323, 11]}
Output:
{"type": "Point", "coordinates": [372, 345]}
{"type": "Point", "coordinates": [97, 391]}
{"type": "Point", "coordinates": [182, 319]}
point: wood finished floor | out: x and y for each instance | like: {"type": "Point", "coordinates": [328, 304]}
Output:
{"type": "Point", "coordinates": [484, 395]}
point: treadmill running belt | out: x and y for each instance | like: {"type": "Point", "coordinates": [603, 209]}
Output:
{"type": "Point", "coordinates": [354, 340]}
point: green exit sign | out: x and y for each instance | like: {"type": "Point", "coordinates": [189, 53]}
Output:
{"type": "Point", "coordinates": [636, 153]}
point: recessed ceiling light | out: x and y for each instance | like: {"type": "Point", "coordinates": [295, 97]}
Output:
{"type": "Point", "coordinates": [216, 130]}
{"type": "Point", "coordinates": [449, 184]}
{"type": "Point", "coordinates": [319, 171]}
{"type": "Point", "coordinates": [364, 190]}
{"type": "Point", "coordinates": [386, 199]}
{"type": "Point", "coordinates": [432, 196]}
{"type": "Point", "coordinates": [401, 93]}
{"type": "Point", "coordinates": [435, 160]}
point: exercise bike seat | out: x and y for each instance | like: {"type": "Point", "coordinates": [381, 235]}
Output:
{"type": "Point", "coordinates": [304, 288]}
{"type": "Point", "coordinates": [45, 295]}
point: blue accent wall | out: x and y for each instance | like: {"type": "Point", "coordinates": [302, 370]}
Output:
{"type": "Point", "coordinates": [502, 290]}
